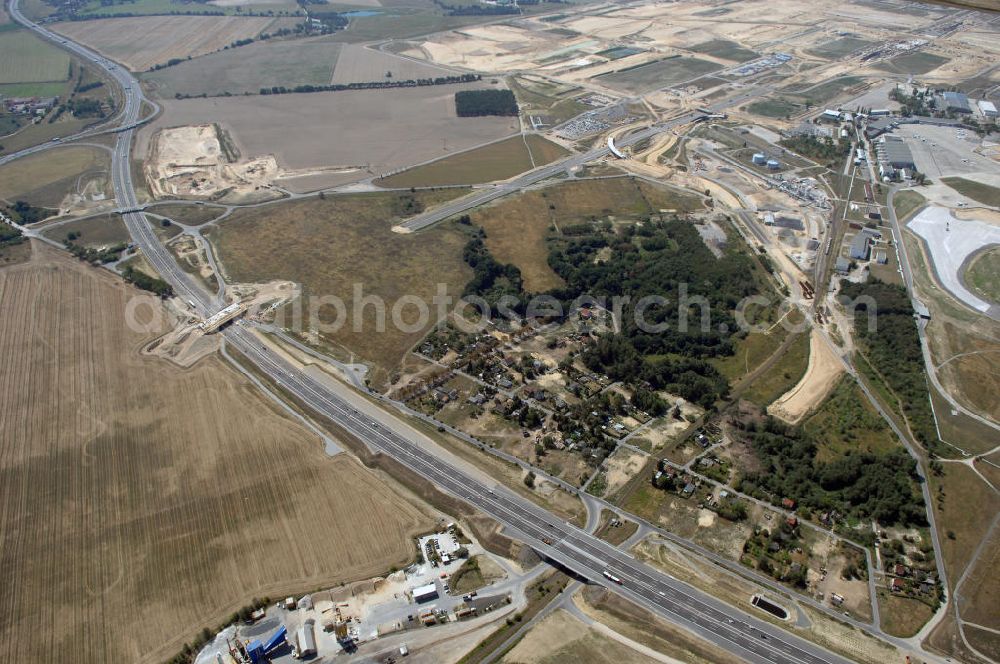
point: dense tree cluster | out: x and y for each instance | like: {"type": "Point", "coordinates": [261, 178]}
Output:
{"type": "Point", "coordinates": [669, 346]}
{"type": "Point", "coordinates": [9, 236]}
{"type": "Point", "coordinates": [95, 256]}
{"type": "Point", "coordinates": [22, 212]}
{"type": "Point", "coordinates": [146, 282]}
{"type": "Point", "coordinates": [862, 486]}
{"type": "Point", "coordinates": [823, 150]}
{"type": "Point", "coordinates": [892, 346]}
{"type": "Point", "coordinates": [474, 103]}
{"type": "Point", "coordinates": [491, 280]}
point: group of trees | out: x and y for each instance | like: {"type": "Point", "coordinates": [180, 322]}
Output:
{"type": "Point", "coordinates": [146, 282]}
{"type": "Point", "coordinates": [916, 103]}
{"type": "Point", "coordinates": [22, 212]}
{"type": "Point", "coordinates": [892, 346]}
{"type": "Point", "coordinates": [858, 485]}
{"type": "Point", "coordinates": [491, 280]}
{"type": "Point", "coordinates": [370, 85]}
{"type": "Point", "coordinates": [95, 256]}
{"type": "Point", "coordinates": [9, 236]}
{"type": "Point", "coordinates": [474, 103]}
{"type": "Point", "coordinates": [824, 150]}
{"type": "Point", "coordinates": [667, 343]}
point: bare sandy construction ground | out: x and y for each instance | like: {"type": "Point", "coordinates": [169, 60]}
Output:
{"type": "Point", "coordinates": [139, 42]}
{"type": "Point", "coordinates": [189, 162]}
{"type": "Point", "coordinates": [821, 375]}
{"type": "Point", "coordinates": [562, 637]}
{"type": "Point", "coordinates": [142, 502]}
{"type": "Point", "coordinates": [339, 136]}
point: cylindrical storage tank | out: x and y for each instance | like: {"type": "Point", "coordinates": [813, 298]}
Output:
{"type": "Point", "coordinates": [759, 158]}
{"type": "Point", "coordinates": [773, 164]}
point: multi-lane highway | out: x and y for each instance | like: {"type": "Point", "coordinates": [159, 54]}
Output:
{"type": "Point", "coordinates": [483, 196]}
{"type": "Point", "coordinates": [532, 177]}
{"type": "Point", "coordinates": [749, 638]}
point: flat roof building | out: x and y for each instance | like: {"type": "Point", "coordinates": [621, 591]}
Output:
{"type": "Point", "coordinates": [987, 108]}
{"type": "Point", "coordinates": [893, 156]}
{"type": "Point", "coordinates": [860, 246]}
{"type": "Point", "coordinates": [956, 101]}
{"type": "Point", "coordinates": [424, 593]}
{"type": "Point", "coordinates": [879, 126]}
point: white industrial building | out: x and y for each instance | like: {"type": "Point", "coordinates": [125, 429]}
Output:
{"type": "Point", "coordinates": [306, 639]}
{"type": "Point", "coordinates": [987, 108]}
{"type": "Point", "coordinates": [425, 593]}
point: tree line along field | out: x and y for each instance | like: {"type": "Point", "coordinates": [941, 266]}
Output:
{"type": "Point", "coordinates": [24, 58]}
{"type": "Point", "coordinates": [249, 68]}
{"type": "Point", "coordinates": [142, 502]}
{"type": "Point", "coordinates": [497, 161]}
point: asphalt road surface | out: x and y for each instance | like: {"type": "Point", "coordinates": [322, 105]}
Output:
{"type": "Point", "coordinates": [730, 628]}
{"type": "Point", "coordinates": [460, 205]}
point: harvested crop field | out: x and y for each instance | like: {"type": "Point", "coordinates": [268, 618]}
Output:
{"type": "Point", "coordinates": [339, 136]}
{"type": "Point", "coordinates": [329, 245]}
{"type": "Point", "coordinates": [143, 502]}
{"type": "Point", "coordinates": [249, 68]}
{"type": "Point", "coordinates": [139, 42]}
{"type": "Point", "coordinates": [24, 58]}
{"type": "Point", "coordinates": [360, 64]}
{"type": "Point", "coordinates": [44, 179]}
{"type": "Point", "coordinates": [497, 161]}
{"type": "Point", "coordinates": [658, 74]}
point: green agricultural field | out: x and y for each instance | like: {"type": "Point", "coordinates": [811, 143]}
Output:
{"type": "Point", "coordinates": [497, 161]}
{"type": "Point", "coordinates": [44, 89]}
{"type": "Point", "coordinates": [983, 274]}
{"type": "Point", "coordinates": [724, 50]}
{"type": "Point", "coordinates": [913, 63]}
{"type": "Point", "coordinates": [825, 91]}
{"type": "Point", "coordinates": [773, 108]}
{"type": "Point", "coordinates": [25, 58]}
{"type": "Point", "coordinates": [905, 203]}
{"type": "Point", "coordinates": [248, 69]}
{"type": "Point", "coordinates": [977, 191]}
{"type": "Point", "coordinates": [658, 74]}
{"type": "Point", "coordinates": [94, 232]}
{"type": "Point", "coordinates": [838, 48]}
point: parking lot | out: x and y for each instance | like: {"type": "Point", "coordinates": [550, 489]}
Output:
{"type": "Point", "coordinates": [944, 151]}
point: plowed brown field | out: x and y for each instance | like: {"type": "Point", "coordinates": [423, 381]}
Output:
{"type": "Point", "coordinates": [140, 502]}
